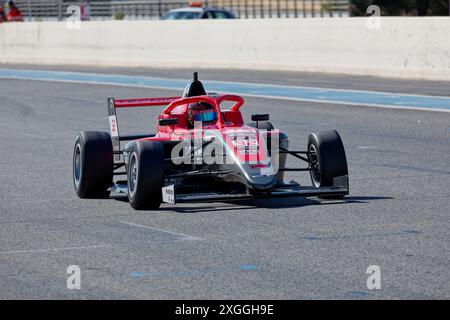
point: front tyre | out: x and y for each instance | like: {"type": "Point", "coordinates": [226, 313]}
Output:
{"type": "Point", "coordinates": [262, 125]}
{"type": "Point", "coordinates": [145, 171]}
{"type": "Point", "coordinates": [92, 164]}
{"type": "Point", "coordinates": [327, 158]}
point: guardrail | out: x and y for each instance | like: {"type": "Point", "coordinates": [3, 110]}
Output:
{"type": "Point", "coordinates": [37, 10]}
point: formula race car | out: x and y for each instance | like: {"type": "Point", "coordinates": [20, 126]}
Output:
{"type": "Point", "coordinates": [202, 152]}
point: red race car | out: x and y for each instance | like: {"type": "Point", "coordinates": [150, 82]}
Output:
{"type": "Point", "coordinates": [202, 153]}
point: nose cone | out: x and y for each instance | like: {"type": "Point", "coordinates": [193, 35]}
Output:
{"type": "Point", "coordinates": [261, 183]}
{"type": "Point", "coordinates": [260, 179]}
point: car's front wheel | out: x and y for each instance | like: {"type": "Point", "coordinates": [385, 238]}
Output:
{"type": "Point", "coordinates": [327, 158]}
{"type": "Point", "coordinates": [145, 171]}
{"type": "Point", "coordinates": [262, 125]}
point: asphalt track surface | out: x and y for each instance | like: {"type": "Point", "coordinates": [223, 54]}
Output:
{"type": "Point", "coordinates": [396, 217]}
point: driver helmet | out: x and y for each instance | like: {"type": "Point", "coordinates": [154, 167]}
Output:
{"type": "Point", "coordinates": [200, 111]}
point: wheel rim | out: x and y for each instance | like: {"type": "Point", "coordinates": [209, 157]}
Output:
{"type": "Point", "coordinates": [77, 164]}
{"type": "Point", "coordinates": [315, 167]}
{"type": "Point", "coordinates": [133, 175]}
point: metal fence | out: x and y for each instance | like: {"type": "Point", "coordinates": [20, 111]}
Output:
{"type": "Point", "coordinates": [248, 9]}
{"type": "Point", "coordinates": [153, 9]}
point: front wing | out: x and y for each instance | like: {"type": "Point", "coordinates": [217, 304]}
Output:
{"type": "Point", "coordinates": [292, 189]}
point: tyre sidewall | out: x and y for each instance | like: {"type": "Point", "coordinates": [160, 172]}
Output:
{"type": "Point", "coordinates": [262, 125]}
{"type": "Point", "coordinates": [96, 170]}
{"type": "Point", "coordinates": [149, 157]}
{"type": "Point", "coordinates": [332, 161]}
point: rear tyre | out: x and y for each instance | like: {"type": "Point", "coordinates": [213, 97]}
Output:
{"type": "Point", "coordinates": [92, 164]}
{"type": "Point", "coordinates": [265, 125]}
{"type": "Point", "coordinates": [145, 173]}
{"type": "Point", "coordinates": [328, 153]}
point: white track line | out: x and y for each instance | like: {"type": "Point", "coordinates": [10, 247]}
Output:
{"type": "Point", "coordinates": [345, 103]}
{"type": "Point", "coordinates": [333, 102]}
{"type": "Point", "coordinates": [54, 249]}
{"type": "Point", "coordinates": [218, 82]}
{"type": "Point", "coordinates": [186, 236]}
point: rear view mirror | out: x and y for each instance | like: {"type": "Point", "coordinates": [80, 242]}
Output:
{"type": "Point", "coordinates": [168, 121]}
{"type": "Point", "coordinates": [260, 117]}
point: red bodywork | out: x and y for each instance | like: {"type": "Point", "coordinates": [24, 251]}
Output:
{"type": "Point", "coordinates": [229, 122]}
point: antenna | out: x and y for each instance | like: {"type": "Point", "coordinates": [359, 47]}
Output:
{"type": "Point", "coordinates": [195, 76]}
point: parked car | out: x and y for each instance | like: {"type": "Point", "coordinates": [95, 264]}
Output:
{"type": "Point", "coordinates": [198, 13]}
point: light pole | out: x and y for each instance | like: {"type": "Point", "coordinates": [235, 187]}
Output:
{"type": "Point", "coordinates": [29, 9]}
{"type": "Point", "coordinates": [60, 8]}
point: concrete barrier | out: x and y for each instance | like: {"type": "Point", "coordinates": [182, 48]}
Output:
{"type": "Point", "coordinates": [407, 47]}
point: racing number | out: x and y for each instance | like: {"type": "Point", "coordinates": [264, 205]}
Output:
{"type": "Point", "coordinates": [245, 143]}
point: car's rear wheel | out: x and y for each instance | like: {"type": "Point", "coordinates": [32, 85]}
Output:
{"type": "Point", "coordinates": [145, 171]}
{"type": "Point", "coordinates": [327, 158]}
{"type": "Point", "coordinates": [92, 164]}
{"type": "Point", "coordinates": [263, 125]}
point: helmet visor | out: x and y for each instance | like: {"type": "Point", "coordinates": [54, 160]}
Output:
{"type": "Point", "coordinates": [206, 116]}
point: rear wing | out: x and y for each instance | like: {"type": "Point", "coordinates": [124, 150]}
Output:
{"type": "Point", "coordinates": [113, 104]}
